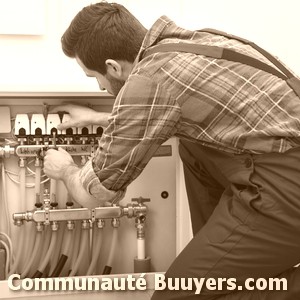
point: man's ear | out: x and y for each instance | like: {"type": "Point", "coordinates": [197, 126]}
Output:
{"type": "Point", "coordinates": [114, 68]}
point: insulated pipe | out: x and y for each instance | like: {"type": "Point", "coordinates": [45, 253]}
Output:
{"type": "Point", "coordinates": [83, 243]}
{"type": "Point", "coordinates": [97, 242]}
{"type": "Point", "coordinates": [46, 259]}
{"type": "Point", "coordinates": [36, 249]}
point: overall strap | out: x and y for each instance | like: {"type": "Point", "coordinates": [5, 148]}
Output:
{"type": "Point", "coordinates": [291, 80]}
{"type": "Point", "coordinates": [231, 55]}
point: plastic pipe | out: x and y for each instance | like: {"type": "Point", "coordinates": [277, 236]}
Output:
{"type": "Point", "coordinates": [83, 243]}
{"type": "Point", "coordinates": [46, 259]}
{"type": "Point", "coordinates": [141, 248]}
{"type": "Point", "coordinates": [56, 254]}
{"type": "Point", "coordinates": [20, 237]}
{"type": "Point", "coordinates": [21, 232]}
{"type": "Point", "coordinates": [76, 244]}
{"type": "Point", "coordinates": [53, 185]}
{"type": "Point", "coordinates": [108, 267]}
{"type": "Point", "coordinates": [4, 193]}
{"type": "Point", "coordinates": [65, 254]}
{"type": "Point", "coordinates": [46, 243]}
{"type": "Point", "coordinates": [37, 183]}
{"type": "Point", "coordinates": [97, 242]}
{"type": "Point", "coordinates": [36, 249]}
{"type": "Point", "coordinates": [23, 187]}
{"type": "Point", "coordinates": [7, 251]}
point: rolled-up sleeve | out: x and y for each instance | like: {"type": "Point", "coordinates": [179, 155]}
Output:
{"type": "Point", "coordinates": [143, 117]}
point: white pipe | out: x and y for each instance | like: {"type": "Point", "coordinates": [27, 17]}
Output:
{"type": "Point", "coordinates": [36, 249]}
{"type": "Point", "coordinates": [56, 252]}
{"type": "Point", "coordinates": [67, 242]}
{"type": "Point", "coordinates": [77, 236]}
{"type": "Point", "coordinates": [20, 237]}
{"type": "Point", "coordinates": [46, 243]}
{"type": "Point", "coordinates": [23, 187]}
{"type": "Point", "coordinates": [97, 242]}
{"type": "Point", "coordinates": [8, 255]}
{"type": "Point", "coordinates": [4, 193]}
{"type": "Point", "coordinates": [141, 252]}
{"type": "Point", "coordinates": [113, 246]}
{"type": "Point", "coordinates": [53, 185]}
{"type": "Point", "coordinates": [82, 251]}
{"type": "Point", "coordinates": [38, 183]}
{"type": "Point", "coordinates": [21, 232]}
{"type": "Point", "coordinates": [46, 259]}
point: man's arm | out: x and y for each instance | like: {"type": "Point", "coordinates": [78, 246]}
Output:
{"type": "Point", "coordinates": [81, 116]}
{"type": "Point", "coordinates": [59, 165]}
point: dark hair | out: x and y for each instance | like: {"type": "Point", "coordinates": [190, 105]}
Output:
{"type": "Point", "coordinates": [101, 31]}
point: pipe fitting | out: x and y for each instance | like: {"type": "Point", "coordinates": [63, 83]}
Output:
{"type": "Point", "coordinates": [54, 226]}
{"type": "Point", "coordinates": [100, 223]}
{"type": "Point", "coordinates": [115, 222]}
{"type": "Point", "coordinates": [6, 151]}
{"type": "Point", "coordinates": [85, 224]}
{"type": "Point", "coordinates": [39, 226]}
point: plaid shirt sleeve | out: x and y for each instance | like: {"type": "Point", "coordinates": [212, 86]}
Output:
{"type": "Point", "coordinates": [144, 116]}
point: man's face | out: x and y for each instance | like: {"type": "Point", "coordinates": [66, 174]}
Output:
{"type": "Point", "coordinates": [105, 82]}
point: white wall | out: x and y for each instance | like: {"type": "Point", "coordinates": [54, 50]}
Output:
{"type": "Point", "coordinates": [36, 62]}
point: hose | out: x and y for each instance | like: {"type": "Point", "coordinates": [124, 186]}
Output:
{"type": "Point", "coordinates": [36, 249]}
{"type": "Point", "coordinates": [21, 229]}
{"type": "Point", "coordinates": [64, 256]}
{"type": "Point", "coordinates": [4, 194]}
{"type": "Point", "coordinates": [8, 257]}
{"type": "Point", "coordinates": [76, 244]}
{"type": "Point", "coordinates": [37, 184]}
{"type": "Point", "coordinates": [108, 267]}
{"type": "Point", "coordinates": [46, 259]}
{"type": "Point", "coordinates": [97, 242]}
{"type": "Point", "coordinates": [82, 250]}
{"type": "Point", "coordinates": [56, 254]}
{"type": "Point", "coordinates": [20, 236]}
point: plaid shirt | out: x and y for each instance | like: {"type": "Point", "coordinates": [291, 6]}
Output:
{"type": "Point", "coordinates": [215, 102]}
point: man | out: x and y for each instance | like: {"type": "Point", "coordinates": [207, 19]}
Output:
{"type": "Point", "coordinates": [239, 143]}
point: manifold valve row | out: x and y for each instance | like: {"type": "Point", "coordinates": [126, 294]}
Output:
{"type": "Point", "coordinates": [48, 214]}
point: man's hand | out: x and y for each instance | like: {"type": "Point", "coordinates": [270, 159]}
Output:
{"type": "Point", "coordinates": [56, 163]}
{"type": "Point", "coordinates": [81, 116]}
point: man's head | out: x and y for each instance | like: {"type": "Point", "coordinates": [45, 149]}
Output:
{"type": "Point", "coordinates": [105, 39]}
